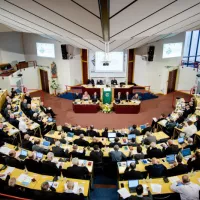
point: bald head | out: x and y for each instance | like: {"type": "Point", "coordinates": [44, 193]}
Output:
{"type": "Point", "coordinates": [148, 133]}
{"type": "Point", "coordinates": [70, 185]}
{"type": "Point", "coordinates": [12, 153]}
{"type": "Point", "coordinates": [81, 136]}
{"type": "Point", "coordinates": [170, 142]}
{"type": "Point", "coordinates": [116, 147]}
{"type": "Point", "coordinates": [154, 161]}
{"type": "Point", "coordinates": [185, 179]}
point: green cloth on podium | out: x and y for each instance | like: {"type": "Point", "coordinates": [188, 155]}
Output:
{"type": "Point", "coordinates": [107, 96]}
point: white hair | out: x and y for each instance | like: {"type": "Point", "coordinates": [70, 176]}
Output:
{"type": "Point", "coordinates": [153, 144]}
{"type": "Point", "coordinates": [50, 156]}
{"type": "Point", "coordinates": [75, 161]}
{"type": "Point", "coordinates": [57, 143]}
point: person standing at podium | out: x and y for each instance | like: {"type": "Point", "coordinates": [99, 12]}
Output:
{"type": "Point", "coordinates": [86, 96]}
{"type": "Point", "coordinates": [113, 81]}
{"type": "Point", "coordinates": [127, 96]}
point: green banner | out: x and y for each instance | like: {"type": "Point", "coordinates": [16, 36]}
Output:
{"type": "Point", "coordinates": [107, 96]}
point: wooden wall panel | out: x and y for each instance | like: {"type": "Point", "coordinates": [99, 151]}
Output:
{"type": "Point", "coordinates": [84, 61]}
{"type": "Point", "coordinates": [131, 60]}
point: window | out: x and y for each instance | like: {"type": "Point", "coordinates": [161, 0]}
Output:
{"type": "Point", "coordinates": [191, 52]}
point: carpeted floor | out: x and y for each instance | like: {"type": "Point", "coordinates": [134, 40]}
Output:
{"type": "Point", "coordinates": [149, 109]}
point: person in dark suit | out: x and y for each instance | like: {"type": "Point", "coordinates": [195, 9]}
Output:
{"type": "Point", "coordinates": [38, 148]}
{"type": "Point", "coordinates": [197, 123]}
{"type": "Point", "coordinates": [187, 111]}
{"type": "Point", "coordinates": [47, 110]}
{"type": "Point", "coordinates": [78, 131]}
{"type": "Point", "coordinates": [4, 135]}
{"type": "Point", "coordinates": [132, 142]}
{"type": "Point", "coordinates": [67, 128]}
{"type": "Point", "coordinates": [57, 150]}
{"type": "Point", "coordinates": [169, 127]}
{"type": "Point", "coordinates": [154, 123]}
{"type": "Point", "coordinates": [194, 164]}
{"type": "Point", "coordinates": [33, 164]}
{"type": "Point", "coordinates": [127, 96]}
{"type": "Point", "coordinates": [139, 155]}
{"type": "Point", "coordinates": [74, 153]}
{"type": "Point", "coordinates": [179, 168]}
{"type": "Point", "coordinates": [76, 96]}
{"type": "Point", "coordinates": [24, 105]}
{"type": "Point", "coordinates": [113, 81]}
{"type": "Point", "coordinates": [116, 142]}
{"type": "Point", "coordinates": [12, 161]}
{"type": "Point", "coordinates": [99, 82]}
{"type": "Point", "coordinates": [13, 121]}
{"type": "Point", "coordinates": [180, 119]}
{"type": "Point", "coordinates": [134, 130]}
{"type": "Point", "coordinates": [170, 148]}
{"type": "Point", "coordinates": [91, 132]}
{"type": "Point", "coordinates": [105, 132]}
{"type": "Point", "coordinates": [35, 117]}
{"type": "Point", "coordinates": [75, 171]}
{"type": "Point", "coordinates": [118, 97]}
{"type": "Point", "coordinates": [95, 141]}
{"type": "Point", "coordinates": [153, 151]}
{"type": "Point", "coordinates": [81, 141]}
{"type": "Point", "coordinates": [26, 143]}
{"type": "Point", "coordinates": [28, 98]}
{"type": "Point", "coordinates": [95, 97]}
{"type": "Point", "coordinates": [190, 144]}
{"type": "Point", "coordinates": [131, 174]}
{"type": "Point", "coordinates": [148, 128]}
{"type": "Point", "coordinates": [29, 112]}
{"type": "Point", "coordinates": [13, 93]}
{"type": "Point", "coordinates": [192, 107]}
{"type": "Point", "coordinates": [139, 196]}
{"type": "Point", "coordinates": [63, 140]}
{"type": "Point", "coordinates": [96, 155]}
{"type": "Point", "coordinates": [156, 170]}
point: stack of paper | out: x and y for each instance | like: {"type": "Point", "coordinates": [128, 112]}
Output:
{"type": "Point", "coordinates": [174, 179]}
{"type": "Point", "coordinates": [145, 191]}
{"type": "Point", "coordinates": [5, 150]}
{"type": "Point", "coordinates": [156, 188]}
{"type": "Point", "coordinates": [8, 170]}
{"type": "Point", "coordinates": [13, 131]}
{"type": "Point", "coordinates": [124, 193]}
{"type": "Point", "coordinates": [24, 179]}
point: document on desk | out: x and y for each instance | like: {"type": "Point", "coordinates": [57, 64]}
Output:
{"type": "Point", "coordinates": [145, 191]}
{"type": "Point", "coordinates": [24, 179]}
{"type": "Point", "coordinates": [174, 179]}
{"type": "Point", "coordinates": [82, 162]}
{"type": "Point", "coordinates": [163, 122]}
{"type": "Point", "coordinates": [75, 189]}
{"type": "Point", "coordinates": [8, 170]}
{"type": "Point", "coordinates": [53, 184]}
{"type": "Point", "coordinates": [156, 188]}
{"type": "Point", "coordinates": [13, 131]}
{"type": "Point", "coordinates": [5, 150]}
{"type": "Point", "coordinates": [124, 193]}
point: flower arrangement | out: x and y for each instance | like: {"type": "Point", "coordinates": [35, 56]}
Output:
{"type": "Point", "coordinates": [106, 108]}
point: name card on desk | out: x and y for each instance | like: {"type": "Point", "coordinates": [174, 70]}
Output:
{"type": "Point", "coordinates": [107, 89]}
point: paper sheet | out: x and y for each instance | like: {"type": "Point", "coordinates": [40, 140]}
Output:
{"type": "Point", "coordinates": [82, 162]}
{"type": "Point", "coordinates": [5, 150]}
{"type": "Point", "coordinates": [55, 160]}
{"type": "Point", "coordinates": [76, 188]}
{"type": "Point", "coordinates": [156, 188]}
{"type": "Point", "coordinates": [24, 179]}
{"type": "Point", "coordinates": [174, 179]}
{"type": "Point", "coordinates": [8, 170]}
{"type": "Point", "coordinates": [53, 184]}
{"type": "Point", "coordinates": [145, 191]}
{"type": "Point", "coordinates": [163, 122]}
{"type": "Point", "coordinates": [13, 131]}
{"type": "Point", "coordinates": [124, 193]}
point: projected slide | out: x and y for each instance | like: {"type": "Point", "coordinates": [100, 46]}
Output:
{"type": "Point", "coordinates": [172, 50]}
{"type": "Point", "coordinates": [116, 63]}
{"type": "Point", "coordinates": [45, 50]}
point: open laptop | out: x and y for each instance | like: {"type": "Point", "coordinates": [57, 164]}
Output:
{"type": "Point", "coordinates": [181, 140]}
{"type": "Point", "coordinates": [23, 154]}
{"type": "Point", "coordinates": [46, 143]}
{"type": "Point", "coordinates": [112, 135]}
{"type": "Point", "coordinates": [186, 153]}
{"type": "Point", "coordinates": [70, 134]}
{"type": "Point", "coordinates": [143, 126]}
{"type": "Point", "coordinates": [128, 162]}
{"type": "Point", "coordinates": [132, 184]}
{"type": "Point", "coordinates": [170, 158]}
{"type": "Point", "coordinates": [39, 155]}
{"type": "Point", "coordinates": [130, 136]}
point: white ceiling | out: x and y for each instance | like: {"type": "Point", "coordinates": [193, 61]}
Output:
{"type": "Point", "coordinates": [133, 23]}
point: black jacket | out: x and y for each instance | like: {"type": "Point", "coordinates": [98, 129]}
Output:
{"type": "Point", "coordinates": [81, 142]}
{"type": "Point", "coordinates": [195, 164]}
{"type": "Point", "coordinates": [79, 132]}
{"type": "Point", "coordinates": [178, 170]}
{"type": "Point", "coordinates": [14, 122]}
{"type": "Point", "coordinates": [13, 162]}
{"type": "Point", "coordinates": [132, 174]}
{"type": "Point", "coordinates": [92, 133]}
{"type": "Point", "coordinates": [173, 149]}
{"type": "Point", "coordinates": [75, 154]}
{"type": "Point", "coordinates": [96, 156]}
{"type": "Point", "coordinates": [33, 166]}
{"type": "Point", "coordinates": [26, 144]}
{"type": "Point", "coordinates": [154, 152]}
{"type": "Point", "coordinates": [156, 170]}
{"type": "Point", "coordinates": [58, 151]}
{"type": "Point", "coordinates": [115, 143]}
{"type": "Point", "coordinates": [50, 168]}
{"type": "Point", "coordinates": [146, 129]}
{"type": "Point", "coordinates": [92, 144]}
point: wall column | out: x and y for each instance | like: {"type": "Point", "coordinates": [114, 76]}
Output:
{"type": "Point", "coordinates": [84, 61]}
{"type": "Point", "coordinates": [131, 65]}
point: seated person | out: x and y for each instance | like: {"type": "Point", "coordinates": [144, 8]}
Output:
{"type": "Point", "coordinates": [86, 96]}
{"type": "Point", "coordinates": [35, 117]}
{"type": "Point", "coordinates": [47, 110]}
{"type": "Point", "coordinates": [154, 122]}
{"type": "Point", "coordinates": [170, 148]}
{"type": "Point", "coordinates": [178, 167]}
{"type": "Point", "coordinates": [26, 143]}
{"type": "Point", "coordinates": [4, 135]}
{"type": "Point", "coordinates": [149, 138]}
{"type": "Point", "coordinates": [76, 171]}
{"type": "Point", "coordinates": [28, 98]}
{"type": "Point", "coordinates": [132, 142]}
{"type": "Point", "coordinates": [67, 128]}
{"type": "Point", "coordinates": [95, 141]}
{"type": "Point", "coordinates": [76, 96]}
{"type": "Point", "coordinates": [105, 132]}
{"type": "Point", "coordinates": [180, 118]}
{"type": "Point", "coordinates": [99, 82]}
{"type": "Point", "coordinates": [197, 123]}
{"type": "Point", "coordinates": [139, 155]}
{"type": "Point", "coordinates": [153, 151]}
{"type": "Point", "coordinates": [118, 98]}
{"type": "Point", "coordinates": [90, 81]}
{"type": "Point", "coordinates": [148, 128]}
{"type": "Point", "coordinates": [24, 105]}
{"type": "Point", "coordinates": [116, 142]}
{"type": "Point", "coordinates": [75, 154]}
{"type": "Point", "coordinates": [189, 129]}
{"type": "Point", "coordinates": [116, 155]}
{"type": "Point", "coordinates": [194, 162]}
{"type": "Point", "coordinates": [81, 142]}
{"type": "Point", "coordinates": [29, 112]}
{"type": "Point", "coordinates": [12, 161]}
{"type": "Point", "coordinates": [37, 147]}
{"type": "Point", "coordinates": [13, 93]}
{"type": "Point", "coordinates": [127, 96]}
{"type": "Point", "coordinates": [96, 155]}
{"type": "Point", "coordinates": [46, 128]}
{"type": "Point", "coordinates": [95, 97]}
{"type": "Point", "coordinates": [63, 140]}
{"type": "Point", "coordinates": [78, 131]}
{"type": "Point", "coordinates": [136, 97]}
{"type": "Point", "coordinates": [169, 127]}
{"type": "Point", "coordinates": [13, 121]}
{"type": "Point", "coordinates": [187, 111]}
{"type": "Point", "coordinates": [58, 151]}
{"type": "Point", "coordinates": [131, 174]}
{"type": "Point", "coordinates": [190, 144]}
{"type": "Point", "coordinates": [134, 130]}
{"type": "Point", "coordinates": [156, 170]}
{"type": "Point", "coordinates": [91, 132]}
{"type": "Point", "coordinates": [113, 81]}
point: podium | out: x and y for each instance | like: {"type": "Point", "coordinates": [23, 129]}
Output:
{"type": "Point", "coordinates": [107, 95]}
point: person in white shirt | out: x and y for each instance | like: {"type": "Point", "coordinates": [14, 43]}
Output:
{"type": "Point", "coordinates": [186, 189]}
{"type": "Point", "coordinates": [189, 129]}
{"type": "Point", "coordinates": [22, 125]}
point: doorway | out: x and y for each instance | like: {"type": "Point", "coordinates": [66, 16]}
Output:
{"type": "Point", "coordinates": [44, 80]}
{"type": "Point", "coordinates": [172, 81]}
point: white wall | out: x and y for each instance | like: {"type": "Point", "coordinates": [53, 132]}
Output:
{"type": "Point", "coordinates": [11, 47]}
{"type": "Point", "coordinates": [156, 74]}
{"type": "Point", "coordinates": [5, 83]}
{"type": "Point", "coordinates": [69, 71]}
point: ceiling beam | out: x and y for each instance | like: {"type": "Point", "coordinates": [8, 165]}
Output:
{"type": "Point", "coordinates": [104, 10]}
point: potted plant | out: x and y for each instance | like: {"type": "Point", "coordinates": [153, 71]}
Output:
{"type": "Point", "coordinates": [54, 86]}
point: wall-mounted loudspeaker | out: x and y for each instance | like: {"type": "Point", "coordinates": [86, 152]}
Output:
{"type": "Point", "coordinates": [64, 51]}
{"type": "Point", "coordinates": [151, 53]}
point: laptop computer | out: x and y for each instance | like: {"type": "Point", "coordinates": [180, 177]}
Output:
{"type": "Point", "coordinates": [181, 140]}
{"type": "Point", "coordinates": [170, 158]}
{"type": "Point", "coordinates": [39, 155]}
{"type": "Point", "coordinates": [49, 119]}
{"type": "Point", "coordinates": [130, 136]}
{"type": "Point", "coordinates": [70, 134]}
{"type": "Point", "coordinates": [112, 140]}
{"type": "Point", "coordinates": [132, 184]}
{"type": "Point", "coordinates": [23, 154]}
{"type": "Point", "coordinates": [186, 153]}
{"type": "Point", "coordinates": [46, 143]}
{"type": "Point", "coordinates": [128, 162]}
{"type": "Point", "coordinates": [111, 135]}
{"type": "Point", "coordinates": [143, 126]}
